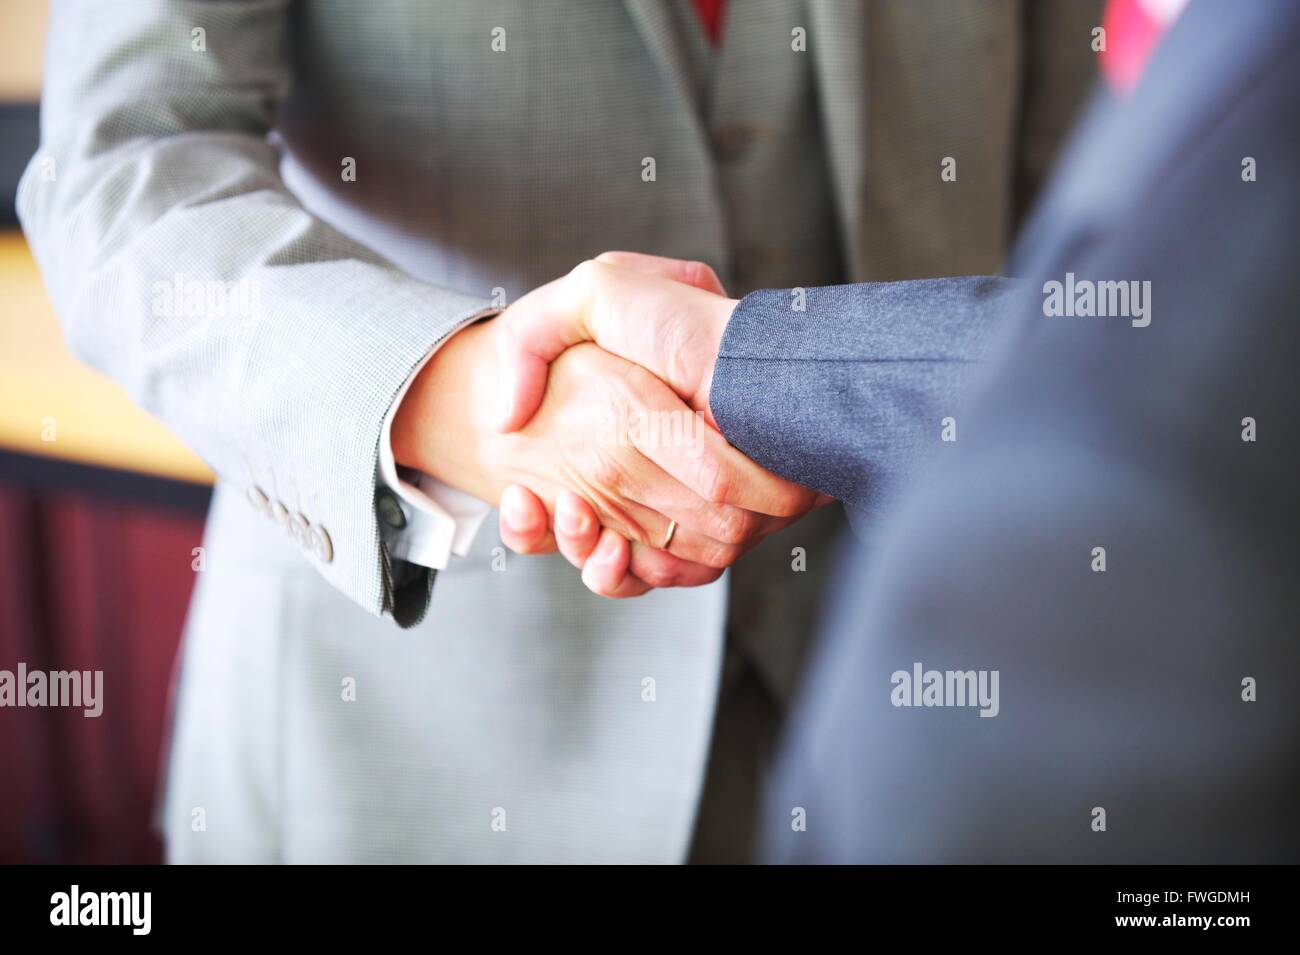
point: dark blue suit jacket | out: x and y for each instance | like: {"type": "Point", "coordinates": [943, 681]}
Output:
{"type": "Point", "coordinates": [1147, 711]}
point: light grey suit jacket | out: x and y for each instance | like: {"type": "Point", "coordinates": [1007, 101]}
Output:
{"type": "Point", "coordinates": [207, 141]}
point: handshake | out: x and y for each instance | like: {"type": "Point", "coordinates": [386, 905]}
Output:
{"type": "Point", "coordinates": [583, 409]}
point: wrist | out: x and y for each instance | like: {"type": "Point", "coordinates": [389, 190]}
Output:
{"type": "Point", "coordinates": [716, 321]}
{"type": "Point", "coordinates": [440, 427]}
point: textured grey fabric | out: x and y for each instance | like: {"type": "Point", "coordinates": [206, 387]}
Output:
{"type": "Point", "coordinates": [162, 169]}
{"type": "Point", "coordinates": [1120, 689]}
{"type": "Point", "coordinates": [845, 388]}
{"type": "Point", "coordinates": [476, 170]}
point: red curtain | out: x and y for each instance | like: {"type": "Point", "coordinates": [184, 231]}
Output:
{"type": "Point", "coordinates": [88, 583]}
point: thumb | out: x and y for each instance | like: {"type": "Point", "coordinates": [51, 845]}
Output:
{"type": "Point", "coordinates": [530, 334]}
{"type": "Point", "coordinates": [523, 383]}
{"type": "Point", "coordinates": [553, 317]}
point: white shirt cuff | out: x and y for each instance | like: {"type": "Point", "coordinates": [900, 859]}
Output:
{"type": "Point", "coordinates": [440, 520]}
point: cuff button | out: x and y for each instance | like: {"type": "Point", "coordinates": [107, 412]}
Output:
{"type": "Point", "coordinates": [321, 545]}
{"type": "Point", "coordinates": [280, 513]}
{"type": "Point", "coordinates": [258, 499]}
{"type": "Point", "coordinates": [390, 511]}
{"type": "Point", "coordinates": [300, 529]}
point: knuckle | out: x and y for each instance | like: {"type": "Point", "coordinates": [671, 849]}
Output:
{"type": "Point", "coordinates": [589, 272]}
{"type": "Point", "coordinates": [721, 556]}
{"type": "Point", "coordinates": [714, 480]}
{"type": "Point", "coordinates": [604, 472]}
{"type": "Point", "coordinates": [794, 500]}
{"type": "Point", "coordinates": [613, 516]}
{"type": "Point", "coordinates": [658, 575]}
{"type": "Point", "coordinates": [583, 270]}
{"type": "Point", "coordinates": [653, 567]}
{"type": "Point", "coordinates": [731, 525]}
{"type": "Point", "coordinates": [702, 273]}
{"type": "Point", "coordinates": [707, 575]}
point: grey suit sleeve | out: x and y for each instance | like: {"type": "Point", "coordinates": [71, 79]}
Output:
{"type": "Point", "coordinates": [847, 393]}
{"type": "Point", "coordinates": [155, 177]}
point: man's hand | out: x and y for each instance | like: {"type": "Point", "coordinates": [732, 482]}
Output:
{"type": "Point", "coordinates": [666, 315]}
{"type": "Point", "coordinates": [591, 437]}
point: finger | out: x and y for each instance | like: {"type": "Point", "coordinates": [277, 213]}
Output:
{"type": "Point", "coordinates": [577, 528]}
{"type": "Point", "coordinates": [686, 271]}
{"type": "Point", "coordinates": [682, 444]}
{"type": "Point", "coordinates": [649, 526]}
{"type": "Point", "coordinates": [646, 500]}
{"type": "Point", "coordinates": [658, 568]}
{"type": "Point", "coordinates": [719, 555]}
{"type": "Point", "coordinates": [723, 476]}
{"type": "Point", "coordinates": [524, 507]}
{"type": "Point", "coordinates": [606, 570]}
{"type": "Point", "coordinates": [524, 523]}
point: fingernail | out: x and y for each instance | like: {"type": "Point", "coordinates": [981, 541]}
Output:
{"type": "Point", "coordinates": [517, 517]}
{"type": "Point", "coordinates": [571, 522]}
{"type": "Point", "coordinates": [606, 550]}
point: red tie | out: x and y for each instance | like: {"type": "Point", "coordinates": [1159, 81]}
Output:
{"type": "Point", "coordinates": [710, 13]}
{"type": "Point", "coordinates": [1133, 28]}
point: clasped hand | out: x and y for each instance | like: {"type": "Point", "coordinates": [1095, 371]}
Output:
{"type": "Point", "coordinates": [583, 409]}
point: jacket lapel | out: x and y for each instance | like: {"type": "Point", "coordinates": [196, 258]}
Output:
{"type": "Point", "coordinates": [655, 24]}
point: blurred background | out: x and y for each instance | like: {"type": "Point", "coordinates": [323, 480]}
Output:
{"type": "Point", "coordinates": [100, 510]}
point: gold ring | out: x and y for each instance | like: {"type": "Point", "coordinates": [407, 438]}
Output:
{"type": "Point", "coordinates": [668, 538]}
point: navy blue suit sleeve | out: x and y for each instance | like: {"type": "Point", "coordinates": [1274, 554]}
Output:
{"type": "Point", "coordinates": [844, 388]}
